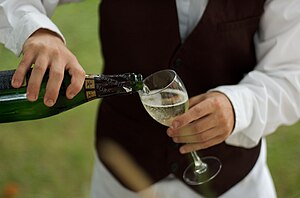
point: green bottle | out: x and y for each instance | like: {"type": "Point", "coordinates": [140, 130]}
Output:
{"type": "Point", "coordinates": [14, 105]}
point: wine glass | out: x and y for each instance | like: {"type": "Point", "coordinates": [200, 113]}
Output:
{"type": "Point", "coordinates": [165, 97]}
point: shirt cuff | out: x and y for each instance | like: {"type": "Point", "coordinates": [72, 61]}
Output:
{"type": "Point", "coordinates": [27, 25]}
{"type": "Point", "coordinates": [242, 102]}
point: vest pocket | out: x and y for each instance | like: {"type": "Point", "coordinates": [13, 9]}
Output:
{"type": "Point", "coordinates": [239, 24]}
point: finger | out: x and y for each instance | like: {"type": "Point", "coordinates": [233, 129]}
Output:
{"type": "Point", "coordinates": [196, 99]}
{"type": "Point", "coordinates": [203, 145]}
{"type": "Point", "coordinates": [22, 69]}
{"type": "Point", "coordinates": [36, 77]}
{"type": "Point", "coordinates": [77, 79]}
{"type": "Point", "coordinates": [196, 112]}
{"type": "Point", "coordinates": [199, 137]}
{"type": "Point", "coordinates": [196, 127]}
{"type": "Point", "coordinates": [56, 76]}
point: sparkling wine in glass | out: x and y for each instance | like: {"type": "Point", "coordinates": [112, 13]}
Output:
{"type": "Point", "coordinates": [164, 97]}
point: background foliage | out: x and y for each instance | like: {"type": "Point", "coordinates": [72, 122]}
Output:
{"type": "Point", "coordinates": [53, 157]}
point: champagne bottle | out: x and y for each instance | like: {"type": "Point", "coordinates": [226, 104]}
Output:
{"type": "Point", "coordinates": [14, 105]}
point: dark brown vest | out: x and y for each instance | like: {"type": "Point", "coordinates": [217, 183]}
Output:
{"type": "Point", "coordinates": [142, 36]}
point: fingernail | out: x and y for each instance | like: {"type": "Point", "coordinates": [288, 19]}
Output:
{"type": "Point", "coordinates": [175, 124]}
{"type": "Point", "coordinates": [49, 102]}
{"type": "Point", "coordinates": [175, 139]}
{"type": "Point", "coordinates": [71, 95]}
{"type": "Point", "coordinates": [169, 132]}
{"type": "Point", "coordinates": [15, 83]}
{"type": "Point", "coordinates": [182, 150]}
{"type": "Point", "coordinates": [30, 97]}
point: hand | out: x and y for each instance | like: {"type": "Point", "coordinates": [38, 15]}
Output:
{"type": "Point", "coordinates": [46, 50]}
{"type": "Point", "coordinates": [209, 121]}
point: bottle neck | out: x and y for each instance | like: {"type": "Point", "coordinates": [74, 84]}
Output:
{"type": "Point", "coordinates": [99, 86]}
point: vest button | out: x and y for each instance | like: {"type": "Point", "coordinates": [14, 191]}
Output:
{"type": "Point", "coordinates": [174, 167]}
{"type": "Point", "coordinates": [177, 63]}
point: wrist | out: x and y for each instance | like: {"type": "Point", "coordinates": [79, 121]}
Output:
{"type": "Point", "coordinates": [43, 32]}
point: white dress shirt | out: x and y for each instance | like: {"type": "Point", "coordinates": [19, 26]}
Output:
{"type": "Point", "coordinates": [267, 97]}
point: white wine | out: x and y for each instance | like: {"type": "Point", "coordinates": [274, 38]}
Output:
{"type": "Point", "coordinates": [165, 105]}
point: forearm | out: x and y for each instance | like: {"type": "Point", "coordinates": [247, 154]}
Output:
{"type": "Point", "coordinates": [269, 96]}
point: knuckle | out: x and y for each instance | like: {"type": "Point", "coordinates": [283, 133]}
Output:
{"type": "Point", "coordinates": [216, 102]}
{"type": "Point", "coordinates": [30, 45]}
{"type": "Point", "coordinates": [23, 64]}
{"type": "Point", "coordinates": [52, 90]}
{"type": "Point", "coordinates": [191, 147]}
{"type": "Point", "coordinates": [32, 87]}
{"type": "Point", "coordinates": [55, 52]}
{"type": "Point", "coordinates": [196, 128]}
{"type": "Point", "coordinates": [41, 47]}
{"type": "Point", "coordinates": [221, 139]}
{"type": "Point", "coordinates": [77, 87]}
{"type": "Point", "coordinates": [222, 119]}
{"type": "Point", "coordinates": [35, 46]}
{"type": "Point", "coordinates": [229, 129]}
{"type": "Point", "coordinates": [196, 110]}
{"type": "Point", "coordinates": [73, 59]}
{"type": "Point", "coordinates": [79, 73]}
{"type": "Point", "coordinates": [228, 126]}
{"type": "Point", "coordinates": [82, 73]}
{"type": "Point", "coordinates": [199, 138]}
{"type": "Point", "coordinates": [204, 137]}
{"type": "Point", "coordinates": [57, 73]}
{"type": "Point", "coordinates": [205, 145]}
{"type": "Point", "coordinates": [39, 68]}
{"type": "Point", "coordinates": [196, 147]}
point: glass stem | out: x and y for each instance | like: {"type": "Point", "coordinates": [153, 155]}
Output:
{"type": "Point", "coordinates": [200, 167]}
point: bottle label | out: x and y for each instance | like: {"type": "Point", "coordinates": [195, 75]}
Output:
{"type": "Point", "coordinates": [89, 84]}
{"type": "Point", "coordinates": [107, 85]}
{"type": "Point", "coordinates": [98, 86]}
{"type": "Point", "coordinates": [5, 80]}
{"type": "Point", "coordinates": [90, 95]}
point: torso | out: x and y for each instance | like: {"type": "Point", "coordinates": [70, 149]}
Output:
{"type": "Point", "coordinates": [143, 37]}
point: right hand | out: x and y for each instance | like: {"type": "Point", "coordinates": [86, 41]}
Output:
{"type": "Point", "coordinates": [46, 50]}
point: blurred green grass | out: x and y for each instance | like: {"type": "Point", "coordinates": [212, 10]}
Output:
{"type": "Point", "coordinates": [53, 157]}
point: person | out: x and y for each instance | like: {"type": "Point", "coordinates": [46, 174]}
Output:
{"type": "Point", "coordinates": [238, 59]}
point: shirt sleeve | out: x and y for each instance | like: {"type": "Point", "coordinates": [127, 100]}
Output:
{"type": "Point", "coordinates": [269, 96]}
{"type": "Point", "coordinates": [19, 19]}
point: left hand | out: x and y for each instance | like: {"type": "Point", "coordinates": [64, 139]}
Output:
{"type": "Point", "coordinates": [209, 121]}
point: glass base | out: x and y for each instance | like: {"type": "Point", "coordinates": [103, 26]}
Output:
{"type": "Point", "coordinates": [192, 177]}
